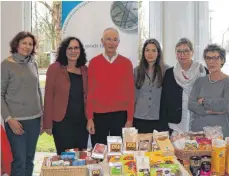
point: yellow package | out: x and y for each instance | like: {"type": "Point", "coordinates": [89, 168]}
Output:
{"type": "Point", "coordinates": [154, 153]}
{"type": "Point", "coordinates": [155, 157]}
{"type": "Point", "coordinates": [114, 158]}
{"type": "Point", "coordinates": [165, 145]}
{"type": "Point", "coordinates": [227, 154]}
{"type": "Point", "coordinates": [128, 157]}
{"type": "Point", "coordinates": [218, 156]}
{"type": "Point", "coordinates": [129, 167]}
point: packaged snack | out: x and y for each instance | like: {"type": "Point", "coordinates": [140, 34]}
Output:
{"type": "Point", "coordinates": [163, 141]}
{"type": "Point", "coordinates": [127, 157]}
{"type": "Point", "coordinates": [218, 156]}
{"type": "Point", "coordinates": [130, 139]}
{"type": "Point", "coordinates": [99, 151]}
{"type": "Point", "coordinates": [178, 139]}
{"type": "Point", "coordinates": [195, 164]}
{"type": "Point", "coordinates": [89, 160]}
{"type": "Point", "coordinates": [114, 145]}
{"type": "Point", "coordinates": [68, 156]}
{"type": "Point", "coordinates": [143, 168]}
{"type": "Point", "coordinates": [155, 146]}
{"type": "Point", "coordinates": [129, 167]}
{"type": "Point", "coordinates": [157, 134]}
{"type": "Point", "coordinates": [194, 135]}
{"type": "Point", "coordinates": [139, 153]}
{"type": "Point", "coordinates": [66, 163]}
{"type": "Point", "coordinates": [72, 150]}
{"type": "Point", "coordinates": [58, 163]}
{"type": "Point", "coordinates": [213, 132]}
{"type": "Point", "coordinates": [165, 170]}
{"type": "Point", "coordinates": [48, 161]}
{"type": "Point", "coordinates": [115, 169]}
{"type": "Point", "coordinates": [227, 154]}
{"type": "Point", "coordinates": [204, 143]}
{"type": "Point", "coordinates": [114, 158]}
{"type": "Point", "coordinates": [144, 141]}
{"type": "Point", "coordinates": [95, 170]}
{"type": "Point", "coordinates": [80, 162]}
{"type": "Point", "coordinates": [83, 154]}
{"type": "Point", "coordinates": [191, 145]}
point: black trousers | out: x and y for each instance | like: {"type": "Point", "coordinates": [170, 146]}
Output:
{"type": "Point", "coordinates": [108, 124]}
{"type": "Point", "coordinates": [70, 134]}
{"type": "Point", "coordinates": [147, 126]}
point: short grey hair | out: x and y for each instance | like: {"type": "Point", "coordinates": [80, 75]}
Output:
{"type": "Point", "coordinates": [185, 41]}
{"type": "Point", "coordinates": [111, 29]}
{"type": "Point", "coordinates": [216, 48]}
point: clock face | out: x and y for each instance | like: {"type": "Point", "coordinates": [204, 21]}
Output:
{"type": "Point", "coordinates": [124, 14]}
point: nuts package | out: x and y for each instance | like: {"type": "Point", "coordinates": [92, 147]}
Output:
{"type": "Point", "coordinates": [95, 170]}
{"type": "Point", "coordinates": [130, 139]}
{"type": "Point", "coordinates": [114, 145]}
{"type": "Point", "coordinates": [144, 141]}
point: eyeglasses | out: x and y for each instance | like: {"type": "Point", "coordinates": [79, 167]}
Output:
{"type": "Point", "coordinates": [73, 48]}
{"type": "Point", "coordinates": [214, 58]}
{"type": "Point", "coordinates": [185, 51]}
{"type": "Point", "coordinates": [115, 40]}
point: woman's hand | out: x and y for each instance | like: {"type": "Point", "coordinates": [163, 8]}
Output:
{"type": "Point", "coordinates": [91, 126]}
{"type": "Point", "coordinates": [200, 101]}
{"type": "Point", "coordinates": [214, 113]}
{"type": "Point", "coordinates": [16, 127]}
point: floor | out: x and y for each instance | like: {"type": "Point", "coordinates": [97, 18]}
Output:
{"type": "Point", "coordinates": [39, 157]}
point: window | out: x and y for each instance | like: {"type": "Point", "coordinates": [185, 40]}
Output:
{"type": "Point", "coordinates": [219, 27]}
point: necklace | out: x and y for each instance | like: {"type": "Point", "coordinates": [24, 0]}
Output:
{"type": "Point", "coordinates": [214, 81]}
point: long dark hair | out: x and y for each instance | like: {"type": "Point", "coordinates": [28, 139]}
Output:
{"type": "Point", "coordinates": [144, 65]}
{"type": "Point", "coordinates": [61, 53]}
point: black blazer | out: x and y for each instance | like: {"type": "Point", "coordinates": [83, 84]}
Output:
{"type": "Point", "coordinates": [171, 98]}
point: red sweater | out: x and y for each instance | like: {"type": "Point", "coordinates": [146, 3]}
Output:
{"type": "Point", "coordinates": [6, 155]}
{"type": "Point", "coordinates": [110, 86]}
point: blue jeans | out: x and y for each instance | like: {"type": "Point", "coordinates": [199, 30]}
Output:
{"type": "Point", "coordinates": [23, 147]}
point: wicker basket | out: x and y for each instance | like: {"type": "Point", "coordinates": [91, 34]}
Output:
{"type": "Point", "coordinates": [63, 170]}
{"type": "Point", "coordinates": [186, 154]}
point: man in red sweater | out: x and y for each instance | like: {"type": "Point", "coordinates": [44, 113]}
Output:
{"type": "Point", "coordinates": [110, 102]}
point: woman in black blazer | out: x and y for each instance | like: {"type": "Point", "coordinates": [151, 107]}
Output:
{"type": "Point", "coordinates": [177, 85]}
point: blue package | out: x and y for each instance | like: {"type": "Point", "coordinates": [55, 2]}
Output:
{"type": "Point", "coordinates": [67, 155]}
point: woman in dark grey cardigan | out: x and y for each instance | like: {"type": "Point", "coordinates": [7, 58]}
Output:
{"type": "Point", "coordinates": [21, 99]}
{"type": "Point", "coordinates": [148, 80]}
{"type": "Point", "coordinates": [209, 98]}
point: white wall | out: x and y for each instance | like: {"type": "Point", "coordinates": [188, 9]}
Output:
{"type": "Point", "coordinates": [171, 20]}
{"type": "Point", "coordinates": [11, 23]}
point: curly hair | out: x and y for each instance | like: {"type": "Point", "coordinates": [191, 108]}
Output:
{"type": "Point", "coordinates": [20, 36]}
{"type": "Point", "coordinates": [61, 53]}
{"type": "Point", "coordinates": [216, 48]}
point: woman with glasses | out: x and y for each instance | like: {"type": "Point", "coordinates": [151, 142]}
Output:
{"type": "Point", "coordinates": [148, 80]}
{"type": "Point", "coordinates": [177, 85]}
{"type": "Point", "coordinates": [65, 97]}
{"type": "Point", "coordinates": [209, 98]}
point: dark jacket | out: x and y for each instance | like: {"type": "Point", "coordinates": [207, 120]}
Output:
{"type": "Point", "coordinates": [171, 98]}
{"type": "Point", "coordinates": [57, 92]}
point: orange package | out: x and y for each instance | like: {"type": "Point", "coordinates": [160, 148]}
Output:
{"type": "Point", "coordinates": [218, 156]}
{"type": "Point", "coordinates": [227, 154]}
